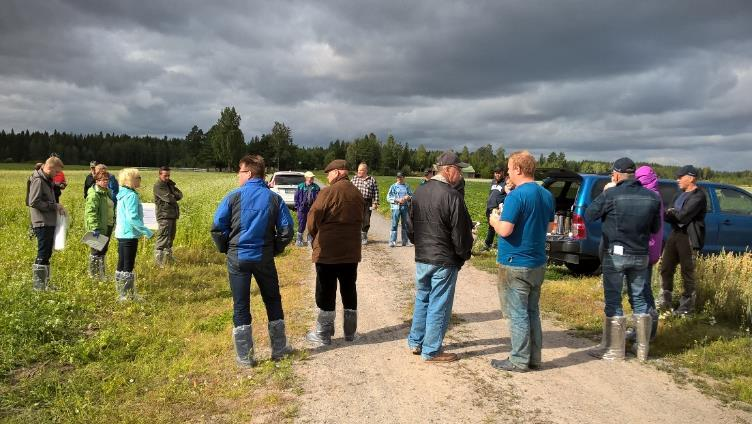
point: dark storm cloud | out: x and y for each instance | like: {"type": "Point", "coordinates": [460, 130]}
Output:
{"type": "Point", "coordinates": [669, 81]}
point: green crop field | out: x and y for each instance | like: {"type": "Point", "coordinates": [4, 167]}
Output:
{"type": "Point", "coordinates": [77, 355]}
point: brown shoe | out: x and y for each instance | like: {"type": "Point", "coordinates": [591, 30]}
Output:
{"type": "Point", "coordinates": [444, 357]}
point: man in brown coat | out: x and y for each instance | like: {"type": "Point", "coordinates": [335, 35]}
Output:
{"type": "Point", "coordinates": [334, 222]}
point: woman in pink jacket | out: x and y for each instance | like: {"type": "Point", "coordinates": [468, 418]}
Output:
{"type": "Point", "coordinates": [647, 177]}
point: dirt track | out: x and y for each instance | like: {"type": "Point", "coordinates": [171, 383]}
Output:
{"type": "Point", "coordinates": [376, 379]}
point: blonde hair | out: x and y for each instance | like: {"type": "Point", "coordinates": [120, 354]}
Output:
{"type": "Point", "coordinates": [54, 161]}
{"type": "Point", "coordinates": [523, 160]}
{"type": "Point", "coordinates": [127, 176]}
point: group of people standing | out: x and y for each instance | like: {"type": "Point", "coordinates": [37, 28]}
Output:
{"type": "Point", "coordinates": [112, 207]}
{"type": "Point", "coordinates": [252, 225]}
{"type": "Point", "coordinates": [632, 214]}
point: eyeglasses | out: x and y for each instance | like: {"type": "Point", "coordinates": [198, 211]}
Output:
{"type": "Point", "coordinates": [241, 171]}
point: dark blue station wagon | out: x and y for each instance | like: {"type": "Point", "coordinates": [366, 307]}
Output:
{"type": "Point", "coordinates": [574, 241]}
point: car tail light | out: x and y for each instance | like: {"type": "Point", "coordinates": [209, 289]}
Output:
{"type": "Point", "coordinates": [578, 227]}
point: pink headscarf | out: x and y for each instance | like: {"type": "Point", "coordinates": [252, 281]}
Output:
{"type": "Point", "coordinates": [647, 177]}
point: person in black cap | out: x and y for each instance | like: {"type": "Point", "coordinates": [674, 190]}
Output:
{"type": "Point", "coordinates": [90, 178]}
{"type": "Point", "coordinates": [496, 196]}
{"type": "Point", "coordinates": [630, 213]}
{"type": "Point", "coordinates": [334, 223]}
{"type": "Point", "coordinates": [398, 197]}
{"type": "Point", "coordinates": [686, 214]}
{"type": "Point", "coordinates": [440, 227]}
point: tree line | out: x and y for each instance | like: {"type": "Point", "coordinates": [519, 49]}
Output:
{"type": "Point", "coordinates": [224, 144]}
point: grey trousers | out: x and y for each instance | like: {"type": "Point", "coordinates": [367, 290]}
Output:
{"type": "Point", "coordinates": [166, 233]}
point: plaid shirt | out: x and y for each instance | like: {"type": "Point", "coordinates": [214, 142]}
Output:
{"type": "Point", "coordinates": [367, 187]}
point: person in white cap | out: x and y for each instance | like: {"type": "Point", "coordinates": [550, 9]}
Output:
{"type": "Point", "coordinates": [305, 195]}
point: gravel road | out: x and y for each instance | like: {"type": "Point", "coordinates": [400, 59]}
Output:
{"type": "Point", "coordinates": [376, 379]}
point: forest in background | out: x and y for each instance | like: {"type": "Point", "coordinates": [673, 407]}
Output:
{"type": "Point", "coordinates": [224, 144]}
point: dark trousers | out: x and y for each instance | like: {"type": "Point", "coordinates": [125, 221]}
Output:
{"type": "Point", "coordinates": [265, 273]}
{"type": "Point", "coordinates": [45, 241]}
{"type": "Point", "coordinates": [366, 215]}
{"type": "Point", "coordinates": [678, 251]}
{"type": "Point", "coordinates": [327, 276]}
{"type": "Point", "coordinates": [302, 220]}
{"type": "Point", "coordinates": [166, 233]}
{"type": "Point", "coordinates": [101, 253]}
{"type": "Point", "coordinates": [491, 235]}
{"type": "Point", "coordinates": [127, 250]}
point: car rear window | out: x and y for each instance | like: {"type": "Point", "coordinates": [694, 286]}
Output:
{"type": "Point", "coordinates": [288, 180]}
{"type": "Point", "coordinates": [564, 193]}
{"type": "Point", "coordinates": [598, 187]}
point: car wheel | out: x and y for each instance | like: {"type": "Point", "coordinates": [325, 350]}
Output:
{"type": "Point", "coordinates": [588, 267]}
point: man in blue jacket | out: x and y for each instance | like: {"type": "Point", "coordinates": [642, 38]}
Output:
{"type": "Point", "coordinates": [630, 214]}
{"type": "Point", "coordinates": [252, 225]}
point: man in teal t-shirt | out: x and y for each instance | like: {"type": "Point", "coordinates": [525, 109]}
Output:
{"type": "Point", "coordinates": [525, 217]}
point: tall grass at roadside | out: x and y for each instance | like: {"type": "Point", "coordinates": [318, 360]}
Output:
{"type": "Point", "coordinates": [724, 287]}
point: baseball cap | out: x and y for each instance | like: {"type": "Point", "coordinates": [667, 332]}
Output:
{"type": "Point", "coordinates": [308, 174]}
{"type": "Point", "coordinates": [400, 175]}
{"type": "Point", "coordinates": [336, 164]}
{"type": "Point", "coordinates": [450, 158]}
{"type": "Point", "coordinates": [624, 165]}
{"type": "Point", "coordinates": [687, 170]}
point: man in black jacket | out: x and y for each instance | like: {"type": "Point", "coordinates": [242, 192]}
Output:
{"type": "Point", "coordinates": [441, 229]}
{"type": "Point", "coordinates": [686, 214]}
{"type": "Point", "coordinates": [496, 196]}
{"type": "Point", "coordinates": [630, 214]}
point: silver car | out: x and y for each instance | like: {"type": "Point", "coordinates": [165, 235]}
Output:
{"type": "Point", "coordinates": [285, 183]}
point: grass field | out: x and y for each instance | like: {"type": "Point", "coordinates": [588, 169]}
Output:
{"type": "Point", "coordinates": [77, 355]}
{"type": "Point", "coordinates": [712, 350]}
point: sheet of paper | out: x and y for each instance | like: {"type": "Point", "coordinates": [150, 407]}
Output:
{"type": "Point", "coordinates": [61, 229]}
{"type": "Point", "coordinates": [150, 216]}
{"type": "Point", "coordinates": [619, 250]}
{"type": "Point", "coordinates": [95, 242]}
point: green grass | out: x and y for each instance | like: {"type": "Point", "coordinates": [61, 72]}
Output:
{"type": "Point", "coordinates": [77, 355]}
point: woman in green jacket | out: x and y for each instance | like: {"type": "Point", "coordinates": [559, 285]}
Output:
{"type": "Point", "coordinates": [99, 213]}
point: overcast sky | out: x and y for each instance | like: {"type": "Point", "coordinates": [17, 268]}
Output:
{"type": "Point", "coordinates": [668, 81]}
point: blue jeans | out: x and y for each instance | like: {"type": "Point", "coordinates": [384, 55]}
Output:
{"type": "Point", "coordinates": [240, 273]}
{"type": "Point", "coordinates": [615, 268]}
{"type": "Point", "coordinates": [397, 215]}
{"type": "Point", "coordinates": [434, 296]}
{"type": "Point", "coordinates": [521, 288]}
